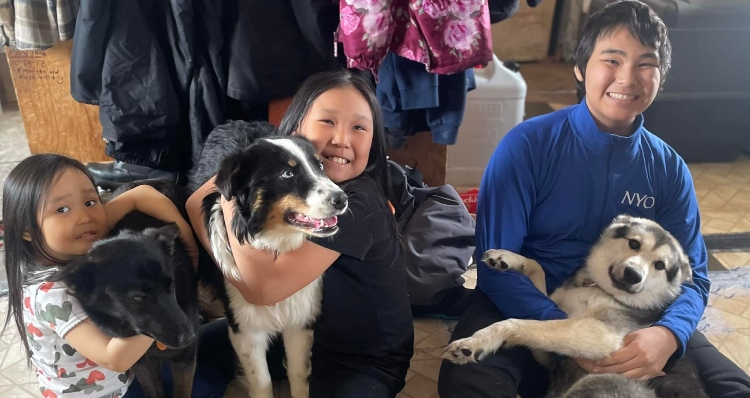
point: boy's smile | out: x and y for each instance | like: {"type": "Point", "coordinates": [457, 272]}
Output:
{"type": "Point", "coordinates": [622, 79]}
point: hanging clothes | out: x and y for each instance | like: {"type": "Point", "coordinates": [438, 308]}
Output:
{"type": "Point", "coordinates": [275, 45]}
{"type": "Point", "coordinates": [164, 73]}
{"type": "Point", "coordinates": [37, 24]}
{"type": "Point", "coordinates": [447, 36]}
{"type": "Point", "coordinates": [154, 68]}
{"type": "Point", "coordinates": [414, 100]}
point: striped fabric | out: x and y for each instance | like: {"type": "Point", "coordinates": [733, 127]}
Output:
{"type": "Point", "coordinates": [37, 24]}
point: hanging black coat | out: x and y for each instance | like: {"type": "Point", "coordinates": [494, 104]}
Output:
{"type": "Point", "coordinates": [154, 69]}
{"type": "Point", "coordinates": [273, 46]}
{"type": "Point", "coordinates": [160, 70]}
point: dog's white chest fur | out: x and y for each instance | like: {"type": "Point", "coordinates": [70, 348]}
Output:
{"type": "Point", "coordinates": [582, 301]}
{"type": "Point", "coordinates": [257, 325]}
{"type": "Point", "coordinates": [297, 311]}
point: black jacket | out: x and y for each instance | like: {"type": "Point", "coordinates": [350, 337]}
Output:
{"type": "Point", "coordinates": [154, 68]}
{"type": "Point", "coordinates": [273, 46]}
{"type": "Point", "coordinates": [161, 70]}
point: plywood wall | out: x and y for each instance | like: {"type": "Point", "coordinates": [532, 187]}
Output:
{"type": "Point", "coordinates": [54, 121]}
{"type": "Point", "coordinates": [526, 35]}
{"type": "Point", "coordinates": [422, 153]}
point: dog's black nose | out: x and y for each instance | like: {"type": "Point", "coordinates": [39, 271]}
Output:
{"type": "Point", "coordinates": [338, 200]}
{"type": "Point", "coordinates": [632, 276]}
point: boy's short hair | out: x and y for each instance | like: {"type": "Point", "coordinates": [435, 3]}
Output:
{"type": "Point", "coordinates": [639, 19]}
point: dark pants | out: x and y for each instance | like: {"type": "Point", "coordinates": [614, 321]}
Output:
{"type": "Point", "coordinates": [514, 371]}
{"type": "Point", "coordinates": [330, 380]}
{"type": "Point", "coordinates": [215, 367]}
{"type": "Point", "coordinates": [218, 365]}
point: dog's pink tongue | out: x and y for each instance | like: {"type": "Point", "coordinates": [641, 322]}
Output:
{"type": "Point", "coordinates": [325, 222]}
{"type": "Point", "coordinates": [317, 222]}
{"type": "Point", "coordinates": [330, 221]}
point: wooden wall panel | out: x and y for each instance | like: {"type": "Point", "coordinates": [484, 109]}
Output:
{"type": "Point", "coordinates": [276, 110]}
{"type": "Point", "coordinates": [525, 36]}
{"type": "Point", "coordinates": [422, 153]}
{"type": "Point", "coordinates": [54, 121]}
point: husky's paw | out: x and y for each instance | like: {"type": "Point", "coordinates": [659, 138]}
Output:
{"type": "Point", "coordinates": [463, 351]}
{"type": "Point", "coordinates": [504, 260]}
{"type": "Point", "coordinates": [474, 348]}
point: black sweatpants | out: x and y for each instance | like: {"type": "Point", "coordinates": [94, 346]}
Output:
{"type": "Point", "coordinates": [514, 371]}
{"type": "Point", "coordinates": [328, 380]}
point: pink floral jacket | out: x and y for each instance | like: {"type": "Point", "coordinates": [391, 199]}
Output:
{"type": "Point", "coordinates": [448, 36]}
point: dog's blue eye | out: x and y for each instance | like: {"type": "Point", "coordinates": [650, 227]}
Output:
{"type": "Point", "coordinates": [287, 174]}
{"type": "Point", "coordinates": [634, 244]}
{"type": "Point", "coordinates": [321, 165]}
{"type": "Point", "coordinates": [659, 265]}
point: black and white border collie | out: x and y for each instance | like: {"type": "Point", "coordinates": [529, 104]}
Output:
{"type": "Point", "coordinates": [282, 196]}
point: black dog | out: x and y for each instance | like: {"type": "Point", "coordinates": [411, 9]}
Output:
{"type": "Point", "coordinates": [141, 281]}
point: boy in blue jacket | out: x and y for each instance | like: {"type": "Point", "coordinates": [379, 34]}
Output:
{"type": "Point", "coordinates": [552, 186]}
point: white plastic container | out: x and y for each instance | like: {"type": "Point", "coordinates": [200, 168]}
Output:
{"type": "Point", "coordinates": [492, 109]}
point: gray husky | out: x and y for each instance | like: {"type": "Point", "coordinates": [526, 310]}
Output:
{"type": "Point", "coordinates": [632, 274]}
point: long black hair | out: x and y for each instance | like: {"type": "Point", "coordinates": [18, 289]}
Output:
{"type": "Point", "coordinates": [24, 193]}
{"type": "Point", "coordinates": [638, 19]}
{"type": "Point", "coordinates": [319, 83]}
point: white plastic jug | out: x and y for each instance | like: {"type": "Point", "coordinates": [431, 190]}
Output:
{"type": "Point", "coordinates": [492, 109]}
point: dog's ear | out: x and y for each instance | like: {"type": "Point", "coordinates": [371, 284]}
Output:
{"type": "Point", "coordinates": [77, 276]}
{"type": "Point", "coordinates": [686, 270]}
{"type": "Point", "coordinates": [236, 170]}
{"type": "Point", "coordinates": [165, 235]}
{"type": "Point", "coordinates": [619, 227]}
{"type": "Point", "coordinates": [237, 175]}
{"type": "Point", "coordinates": [622, 219]}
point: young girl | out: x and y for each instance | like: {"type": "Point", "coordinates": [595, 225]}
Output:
{"type": "Point", "coordinates": [52, 212]}
{"type": "Point", "coordinates": [364, 335]}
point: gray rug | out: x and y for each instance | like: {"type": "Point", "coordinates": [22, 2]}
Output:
{"type": "Point", "coordinates": [728, 289]}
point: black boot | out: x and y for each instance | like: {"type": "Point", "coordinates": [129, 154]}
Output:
{"type": "Point", "coordinates": [109, 175]}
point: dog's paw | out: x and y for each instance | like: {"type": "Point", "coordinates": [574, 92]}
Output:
{"type": "Point", "coordinates": [472, 349]}
{"type": "Point", "coordinates": [462, 351]}
{"type": "Point", "coordinates": [504, 260]}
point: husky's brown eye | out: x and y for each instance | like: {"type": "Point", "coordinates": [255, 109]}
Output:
{"type": "Point", "coordinates": [660, 265]}
{"type": "Point", "coordinates": [634, 244]}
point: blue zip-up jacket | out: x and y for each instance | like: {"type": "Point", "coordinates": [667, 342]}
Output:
{"type": "Point", "coordinates": [551, 187]}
